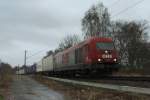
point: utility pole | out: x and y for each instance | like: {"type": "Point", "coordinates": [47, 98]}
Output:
{"type": "Point", "coordinates": [25, 58]}
{"type": "Point", "coordinates": [0, 62]}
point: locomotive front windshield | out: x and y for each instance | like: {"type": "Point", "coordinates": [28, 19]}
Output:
{"type": "Point", "coordinates": [105, 46]}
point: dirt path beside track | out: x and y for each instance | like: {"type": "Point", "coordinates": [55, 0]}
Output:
{"type": "Point", "coordinates": [25, 88]}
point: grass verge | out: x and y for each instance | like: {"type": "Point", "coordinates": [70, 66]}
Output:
{"type": "Point", "coordinates": [1, 97]}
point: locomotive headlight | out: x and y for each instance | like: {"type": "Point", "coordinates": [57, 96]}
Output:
{"type": "Point", "coordinates": [99, 60]}
{"type": "Point", "coordinates": [106, 51]}
{"type": "Point", "coordinates": [115, 59]}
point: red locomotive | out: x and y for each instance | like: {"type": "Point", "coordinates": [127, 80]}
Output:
{"type": "Point", "coordinates": [93, 53]}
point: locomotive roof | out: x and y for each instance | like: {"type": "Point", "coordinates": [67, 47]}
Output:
{"type": "Point", "coordinates": [103, 39]}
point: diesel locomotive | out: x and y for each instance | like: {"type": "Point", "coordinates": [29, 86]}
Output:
{"type": "Point", "coordinates": [93, 54]}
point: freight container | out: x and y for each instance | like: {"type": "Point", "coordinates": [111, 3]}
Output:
{"type": "Point", "coordinates": [48, 63]}
{"type": "Point", "coordinates": [39, 66]}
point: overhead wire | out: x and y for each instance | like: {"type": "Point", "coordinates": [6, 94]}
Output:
{"type": "Point", "coordinates": [114, 3]}
{"type": "Point", "coordinates": [126, 9]}
{"type": "Point", "coordinates": [36, 53]}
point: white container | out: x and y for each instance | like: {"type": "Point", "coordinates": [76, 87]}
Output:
{"type": "Point", "coordinates": [48, 63]}
{"type": "Point", "coordinates": [39, 66]}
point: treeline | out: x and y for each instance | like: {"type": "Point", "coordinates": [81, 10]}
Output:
{"type": "Point", "coordinates": [6, 73]}
{"type": "Point", "coordinates": [131, 41]}
{"type": "Point", "coordinates": [130, 37]}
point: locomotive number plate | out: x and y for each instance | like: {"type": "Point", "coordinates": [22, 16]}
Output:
{"type": "Point", "coordinates": [106, 56]}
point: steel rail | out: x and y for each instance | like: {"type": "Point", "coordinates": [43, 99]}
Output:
{"type": "Point", "coordinates": [127, 78]}
{"type": "Point", "coordinates": [104, 86]}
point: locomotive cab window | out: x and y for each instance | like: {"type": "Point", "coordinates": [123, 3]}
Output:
{"type": "Point", "coordinates": [105, 46]}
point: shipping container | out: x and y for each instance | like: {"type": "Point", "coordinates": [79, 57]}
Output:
{"type": "Point", "coordinates": [39, 66]}
{"type": "Point", "coordinates": [48, 63]}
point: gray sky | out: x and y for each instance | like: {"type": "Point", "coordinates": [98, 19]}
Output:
{"type": "Point", "coordinates": [39, 25]}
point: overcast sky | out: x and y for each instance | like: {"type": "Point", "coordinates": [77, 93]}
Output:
{"type": "Point", "coordinates": [39, 25]}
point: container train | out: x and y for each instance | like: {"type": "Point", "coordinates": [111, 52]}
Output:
{"type": "Point", "coordinates": [93, 54]}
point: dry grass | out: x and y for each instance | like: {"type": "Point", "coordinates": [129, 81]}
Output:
{"type": "Point", "coordinates": [5, 85]}
{"type": "Point", "coordinates": [6, 76]}
{"type": "Point", "coordinates": [1, 97]}
{"type": "Point", "coordinates": [74, 92]}
{"type": "Point", "coordinates": [130, 71]}
{"type": "Point", "coordinates": [6, 80]}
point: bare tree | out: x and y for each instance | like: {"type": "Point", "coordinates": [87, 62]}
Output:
{"type": "Point", "coordinates": [96, 21]}
{"type": "Point", "coordinates": [69, 41]}
{"type": "Point", "coordinates": [120, 41]}
{"type": "Point", "coordinates": [50, 52]}
{"type": "Point", "coordinates": [130, 40]}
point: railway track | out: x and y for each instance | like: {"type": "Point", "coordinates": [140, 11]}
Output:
{"type": "Point", "coordinates": [124, 88]}
{"type": "Point", "coordinates": [128, 78]}
{"type": "Point", "coordinates": [134, 84]}
{"type": "Point", "coordinates": [140, 81]}
{"type": "Point", "coordinates": [116, 78]}
{"type": "Point", "coordinates": [121, 78]}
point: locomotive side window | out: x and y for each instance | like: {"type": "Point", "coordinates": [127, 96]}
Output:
{"type": "Point", "coordinates": [63, 59]}
{"type": "Point", "coordinates": [76, 56]}
{"type": "Point", "coordinates": [66, 58]}
{"type": "Point", "coordinates": [79, 55]}
{"type": "Point", "coordinates": [106, 45]}
{"type": "Point", "coordinates": [85, 51]}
